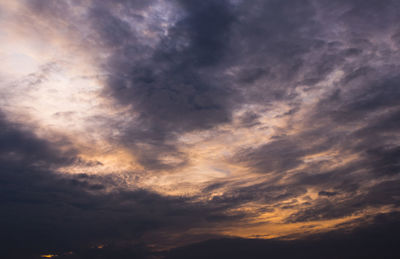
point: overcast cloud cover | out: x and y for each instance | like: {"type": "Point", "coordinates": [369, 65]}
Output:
{"type": "Point", "coordinates": [134, 129]}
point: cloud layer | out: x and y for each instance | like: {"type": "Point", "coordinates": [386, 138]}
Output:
{"type": "Point", "coordinates": [153, 124]}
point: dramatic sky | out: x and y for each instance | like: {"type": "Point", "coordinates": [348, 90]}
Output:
{"type": "Point", "coordinates": [132, 127]}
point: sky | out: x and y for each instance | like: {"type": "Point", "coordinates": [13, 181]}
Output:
{"type": "Point", "coordinates": [183, 128]}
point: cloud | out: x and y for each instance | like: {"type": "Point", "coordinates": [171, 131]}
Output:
{"type": "Point", "coordinates": [166, 90]}
{"type": "Point", "coordinates": [261, 112]}
{"type": "Point", "coordinates": [370, 242]}
{"type": "Point", "coordinates": [326, 193]}
{"type": "Point", "coordinates": [43, 211]}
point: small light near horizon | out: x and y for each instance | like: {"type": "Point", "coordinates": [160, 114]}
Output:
{"type": "Point", "coordinates": [48, 256]}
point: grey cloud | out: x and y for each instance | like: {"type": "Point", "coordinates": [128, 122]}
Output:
{"type": "Point", "coordinates": [376, 240]}
{"type": "Point", "coordinates": [273, 47]}
{"type": "Point", "coordinates": [384, 193]}
{"type": "Point", "coordinates": [326, 193]}
{"type": "Point", "coordinates": [166, 90]}
{"type": "Point", "coordinates": [45, 212]}
{"type": "Point", "coordinates": [249, 119]}
{"type": "Point", "coordinates": [170, 87]}
{"type": "Point", "coordinates": [218, 56]}
{"type": "Point", "coordinates": [276, 156]}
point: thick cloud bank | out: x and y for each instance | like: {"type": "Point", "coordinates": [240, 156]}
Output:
{"type": "Point", "coordinates": [128, 128]}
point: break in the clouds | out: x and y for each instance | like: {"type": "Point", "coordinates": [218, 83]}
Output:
{"type": "Point", "coordinates": [128, 128]}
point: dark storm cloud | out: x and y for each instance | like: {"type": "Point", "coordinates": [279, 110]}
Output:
{"type": "Point", "coordinates": [181, 85]}
{"type": "Point", "coordinates": [43, 212]}
{"type": "Point", "coordinates": [170, 87]}
{"type": "Point", "coordinates": [169, 90]}
{"type": "Point", "coordinates": [278, 45]}
{"type": "Point", "coordinates": [21, 148]}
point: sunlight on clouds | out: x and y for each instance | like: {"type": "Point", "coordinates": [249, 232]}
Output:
{"type": "Point", "coordinates": [46, 83]}
{"type": "Point", "coordinates": [286, 230]}
{"type": "Point", "coordinates": [273, 225]}
{"type": "Point", "coordinates": [55, 82]}
{"type": "Point", "coordinates": [104, 158]}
